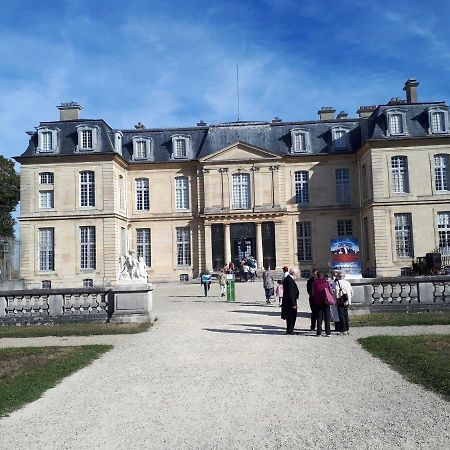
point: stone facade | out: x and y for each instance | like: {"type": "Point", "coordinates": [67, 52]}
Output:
{"type": "Point", "coordinates": [210, 194]}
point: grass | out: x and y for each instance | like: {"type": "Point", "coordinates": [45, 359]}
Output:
{"type": "Point", "coordinates": [423, 359]}
{"type": "Point", "coordinates": [72, 329]}
{"type": "Point", "coordinates": [26, 373]}
{"type": "Point", "coordinates": [398, 319]}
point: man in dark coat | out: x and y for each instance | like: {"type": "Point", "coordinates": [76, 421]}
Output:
{"type": "Point", "coordinates": [289, 303]}
{"type": "Point", "coordinates": [309, 286]}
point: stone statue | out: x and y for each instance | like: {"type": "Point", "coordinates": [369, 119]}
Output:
{"type": "Point", "coordinates": [132, 268]}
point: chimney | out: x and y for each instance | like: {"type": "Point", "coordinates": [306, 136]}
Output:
{"type": "Point", "coordinates": [276, 119]}
{"type": "Point", "coordinates": [202, 123]}
{"type": "Point", "coordinates": [139, 126]}
{"type": "Point", "coordinates": [326, 113]}
{"type": "Point", "coordinates": [342, 115]}
{"type": "Point", "coordinates": [396, 101]}
{"type": "Point", "coordinates": [366, 111]}
{"type": "Point", "coordinates": [69, 111]}
{"type": "Point", "coordinates": [411, 90]}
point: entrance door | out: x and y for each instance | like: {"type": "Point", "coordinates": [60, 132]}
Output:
{"type": "Point", "coordinates": [242, 241]}
{"type": "Point", "coordinates": [243, 248]}
{"type": "Point", "coordinates": [268, 236]}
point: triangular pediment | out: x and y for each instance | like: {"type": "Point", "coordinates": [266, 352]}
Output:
{"type": "Point", "coordinates": [240, 151]}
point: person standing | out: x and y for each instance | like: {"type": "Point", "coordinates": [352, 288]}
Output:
{"type": "Point", "coordinates": [279, 292]}
{"type": "Point", "coordinates": [206, 281]}
{"type": "Point", "coordinates": [285, 272]}
{"type": "Point", "coordinates": [321, 292]}
{"type": "Point", "coordinates": [344, 294]}
{"type": "Point", "coordinates": [222, 284]}
{"type": "Point", "coordinates": [309, 288]}
{"type": "Point", "coordinates": [267, 284]}
{"type": "Point", "coordinates": [289, 304]}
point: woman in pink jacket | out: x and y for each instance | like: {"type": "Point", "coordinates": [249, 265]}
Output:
{"type": "Point", "coordinates": [321, 292]}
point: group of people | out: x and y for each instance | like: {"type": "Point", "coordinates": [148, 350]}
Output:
{"type": "Point", "coordinates": [249, 267]}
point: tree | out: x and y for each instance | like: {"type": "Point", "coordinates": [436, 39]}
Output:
{"type": "Point", "coordinates": [9, 196]}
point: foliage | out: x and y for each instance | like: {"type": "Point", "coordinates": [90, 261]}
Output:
{"type": "Point", "coordinates": [27, 372]}
{"type": "Point", "coordinates": [398, 319]}
{"type": "Point", "coordinates": [71, 329]}
{"type": "Point", "coordinates": [9, 196]}
{"type": "Point", "coordinates": [422, 359]}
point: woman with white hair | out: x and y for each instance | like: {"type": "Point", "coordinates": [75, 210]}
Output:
{"type": "Point", "coordinates": [344, 294]}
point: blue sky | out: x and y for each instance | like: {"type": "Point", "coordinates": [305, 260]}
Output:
{"type": "Point", "coordinates": [170, 63]}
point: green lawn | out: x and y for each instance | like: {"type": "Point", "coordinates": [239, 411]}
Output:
{"type": "Point", "coordinates": [27, 372]}
{"type": "Point", "coordinates": [421, 359]}
{"type": "Point", "coordinates": [398, 319]}
{"type": "Point", "coordinates": [72, 329]}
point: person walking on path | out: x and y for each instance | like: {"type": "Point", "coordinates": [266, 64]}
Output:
{"type": "Point", "coordinates": [206, 281]}
{"type": "Point", "coordinates": [279, 292]}
{"type": "Point", "coordinates": [344, 293]}
{"type": "Point", "coordinates": [222, 284]}
{"type": "Point", "coordinates": [321, 293]}
{"type": "Point", "coordinates": [289, 304]}
{"type": "Point", "coordinates": [309, 287]}
{"type": "Point", "coordinates": [267, 284]}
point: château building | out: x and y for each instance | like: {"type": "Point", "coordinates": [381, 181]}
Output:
{"type": "Point", "coordinates": [194, 198]}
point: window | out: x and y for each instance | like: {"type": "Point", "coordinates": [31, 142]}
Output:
{"type": "Point", "coordinates": [366, 238]}
{"type": "Point", "coordinates": [87, 189]}
{"type": "Point", "coordinates": [180, 146]}
{"type": "Point", "coordinates": [46, 284]}
{"type": "Point", "coordinates": [118, 141]}
{"type": "Point", "coordinates": [241, 191]}
{"type": "Point", "coordinates": [441, 173]}
{"type": "Point", "coordinates": [47, 140]}
{"type": "Point", "coordinates": [87, 137]}
{"type": "Point", "coordinates": [301, 187]}
{"type": "Point", "coordinates": [438, 120]}
{"type": "Point", "coordinates": [364, 182]}
{"type": "Point", "coordinates": [46, 250]}
{"type": "Point", "coordinates": [181, 193]}
{"type": "Point", "coordinates": [399, 167]}
{"type": "Point", "coordinates": [396, 122]}
{"type": "Point", "coordinates": [88, 282]}
{"type": "Point", "coordinates": [87, 248]}
{"type": "Point", "coordinates": [121, 186]}
{"type": "Point", "coordinates": [46, 199]}
{"type": "Point", "coordinates": [443, 224]}
{"type": "Point", "coordinates": [340, 136]}
{"type": "Point", "coordinates": [344, 228]}
{"type": "Point", "coordinates": [342, 185]}
{"type": "Point", "coordinates": [142, 148]}
{"type": "Point", "coordinates": [300, 141]}
{"type": "Point", "coordinates": [143, 241]}
{"type": "Point", "coordinates": [46, 178]}
{"type": "Point", "coordinates": [183, 246]}
{"type": "Point", "coordinates": [403, 235]}
{"type": "Point", "coordinates": [304, 241]}
{"type": "Point", "coordinates": [142, 194]}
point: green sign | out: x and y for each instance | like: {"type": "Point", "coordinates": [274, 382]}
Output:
{"type": "Point", "coordinates": [231, 293]}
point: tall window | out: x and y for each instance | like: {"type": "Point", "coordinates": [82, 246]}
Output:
{"type": "Point", "coordinates": [86, 139]}
{"type": "Point", "coordinates": [304, 241]}
{"type": "Point", "coordinates": [438, 122]}
{"type": "Point", "coordinates": [87, 189]}
{"type": "Point", "coordinates": [183, 246]}
{"type": "Point", "coordinates": [301, 187]}
{"type": "Point", "coordinates": [344, 228]}
{"type": "Point", "coordinates": [181, 193]}
{"type": "Point", "coordinates": [46, 249]}
{"type": "Point", "coordinates": [47, 140]}
{"type": "Point", "coordinates": [441, 172]}
{"type": "Point", "coordinates": [366, 238]}
{"type": "Point", "coordinates": [342, 185]}
{"type": "Point", "coordinates": [180, 148]}
{"type": "Point", "coordinates": [399, 167]}
{"type": "Point", "coordinates": [46, 199]}
{"type": "Point", "coordinates": [300, 141]}
{"type": "Point", "coordinates": [396, 123]}
{"type": "Point", "coordinates": [443, 224]}
{"type": "Point", "coordinates": [403, 235]}
{"type": "Point", "coordinates": [340, 137]}
{"type": "Point", "coordinates": [141, 150]}
{"type": "Point", "coordinates": [47, 143]}
{"type": "Point", "coordinates": [364, 181]}
{"type": "Point", "coordinates": [241, 191]}
{"type": "Point", "coordinates": [143, 244]}
{"type": "Point", "coordinates": [121, 192]}
{"type": "Point", "coordinates": [46, 178]}
{"type": "Point", "coordinates": [87, 248]}
{"type": "Point", "coordinates": [142, 194]}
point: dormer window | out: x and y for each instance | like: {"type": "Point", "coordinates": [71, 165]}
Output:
{"type": "Point", "coordinates": [396, 122]}
{"type": "Point", "coordinates": [142, 147]}
{"type": "Point", "coordinates": [87, 138]}
{"type": "Point", "coordinates": [437, 120]}
{"type": "Point", "coordinates": [340, 136]}
{"type": "Point", "coordinates": [180, 146]}
{"type": "Point", "coordinates": [300, 141]}
{"type": "Point", "coordinates": [47, 140]}
{"type": "Point", "coordinates": [118, 141]}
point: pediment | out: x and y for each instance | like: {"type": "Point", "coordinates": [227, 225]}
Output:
{"type": "Point", "coordinates": [240, 151]}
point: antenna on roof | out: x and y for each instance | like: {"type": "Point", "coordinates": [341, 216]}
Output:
{"type": "Point", "coordinates": [237, 90]}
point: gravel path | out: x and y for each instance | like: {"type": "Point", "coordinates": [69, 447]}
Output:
{"type": "Point", "coordinates": [212, 375]}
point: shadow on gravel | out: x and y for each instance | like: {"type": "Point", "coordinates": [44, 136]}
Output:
{"type": "Point", "coordinates": [270, 313]}
{"type": "Point", "coordinates": [256, 329]}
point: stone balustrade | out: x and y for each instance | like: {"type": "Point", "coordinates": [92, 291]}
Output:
{"type": "Point", "coordinates": [402, 293]}
{"type": "Point", "coordinates": [127, 303]}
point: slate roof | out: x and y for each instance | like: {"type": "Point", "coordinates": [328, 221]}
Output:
{"type": "Point", "coordinates": [275, 137]}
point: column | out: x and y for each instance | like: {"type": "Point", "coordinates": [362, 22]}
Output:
{"type": "Point", "coordinates": [227, 243]}
{"type": "Point", "coordinates": [259, 246]}
{"type": "Point", "coordinates": [208, 248]}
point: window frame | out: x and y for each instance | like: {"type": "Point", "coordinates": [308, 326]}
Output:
{"type": "Point", "coordinates": [43, 178]}
{"type": "Point", "coordinates": [142, 194]}
{"type": "Point", "coordinates": [341, 143]}
{"type": "Point", "coordinates": [404, 243]}
{"type": "Point", "coordinates": [438, 110]}
{"type": "Point", "coordinates": [240, 191]}
{"type": "Point", "coordinates": [389, 114]}
{"type": "Point", "coordinates": [183, 246]}
{"type": "Point", "coordinates": [301, 187]}
{"type": "Point", "coordinates": [443, 232]}
{"type": "Point", "coordinates": [307, 140]}
{"type": "Point", "coordinates": [182, 193]}
{"type": "Point", "coordinates": [442, 173]}
{"type": "Point", "coordinates": [46, 249]}
{"type": "Point", "coordinates": [88, 248]}
{"type": "Point", "coordinates": [148, 145]}
{"type": "Point", "coordinates": [144, 245]}
{"type": "Point", "coordinates": [87, 189]}
{"type": "Point", "coordinates": [342, 185]}
{"type": "Point", "coordinates": [187, 146]}
{"type": "Point", "coordinates": [304, 241]}
{"type": "Point", "coordinates": [94, 135]}
{"type": "Point", "coordinates": [54, 133]}
{"type": "Point", "coordinates": [342, 227]}
{"type": "Point", "coordinates": [399, 178]}
{"type": "Point", "coordinates": [48, 195]}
